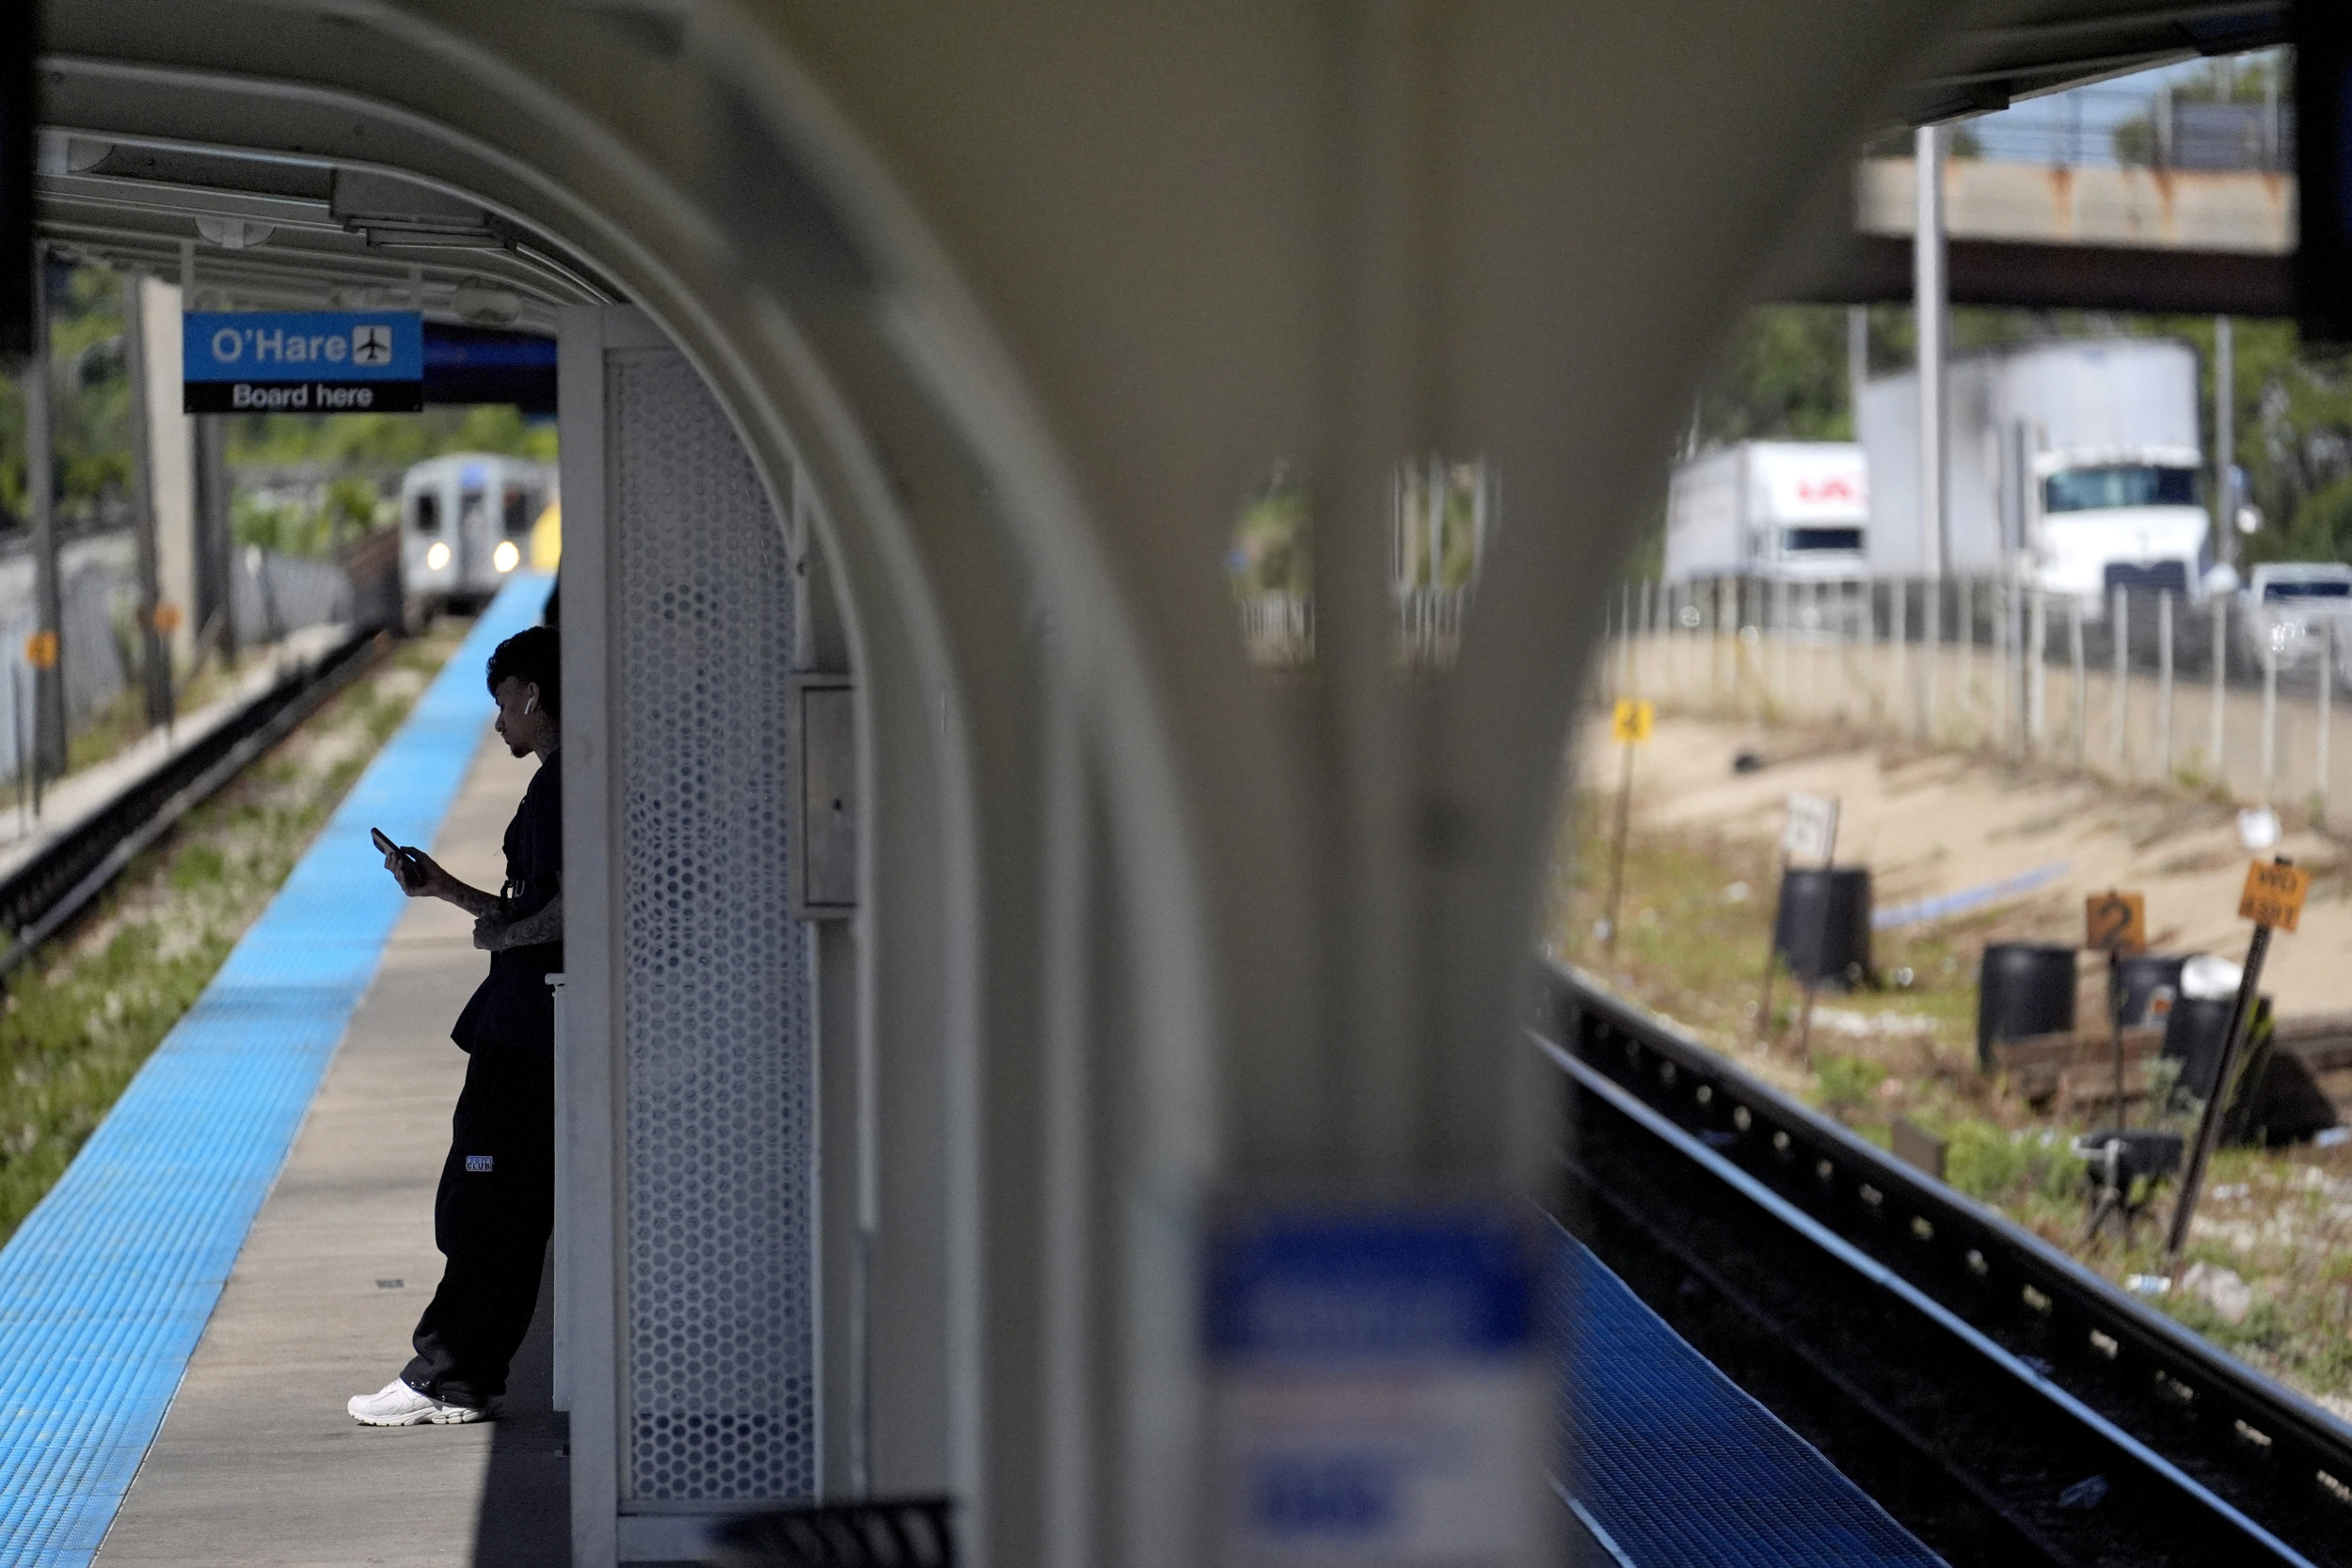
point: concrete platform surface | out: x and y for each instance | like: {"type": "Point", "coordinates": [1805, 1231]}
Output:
{"type": "Point", "coordinates": [257, 1463]}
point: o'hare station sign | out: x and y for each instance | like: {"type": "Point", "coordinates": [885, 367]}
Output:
{"type": "Point", "coordinates": [302, 362]}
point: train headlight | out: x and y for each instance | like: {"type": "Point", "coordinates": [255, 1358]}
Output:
{"type": "Point", "coordinates": [436, 556]}
{"type": "Point", "coordinates": [506, 557]}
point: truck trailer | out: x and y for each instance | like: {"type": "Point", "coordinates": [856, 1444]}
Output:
{"type": "Point", "coordinates": [2074, 468]}
{"type": "Point", "coordinates": [1793, 510]}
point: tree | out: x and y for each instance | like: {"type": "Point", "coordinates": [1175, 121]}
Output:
{"type": "Point", "coordinates": [2247, 79]}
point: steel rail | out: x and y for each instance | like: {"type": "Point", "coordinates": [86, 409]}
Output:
{"type": "Point", "coordinates": [48, 891]}
{"type": "Point", "coordinates": [1971, 1376]}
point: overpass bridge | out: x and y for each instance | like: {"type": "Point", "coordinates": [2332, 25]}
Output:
{"type": "Point", "coordinates": [912, 363]}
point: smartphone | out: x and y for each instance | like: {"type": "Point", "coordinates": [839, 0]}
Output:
{"type": "Point", "coordinates": [407, 857]}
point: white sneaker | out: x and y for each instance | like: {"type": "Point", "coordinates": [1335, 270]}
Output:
{"type": "Point", "coordinates": [396, 1404]}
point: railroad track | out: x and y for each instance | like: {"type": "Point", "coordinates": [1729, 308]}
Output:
{"type": "Point", "coordinates": [47, 892]}
{"type": "Point", "coordinates": [2004, 1404]}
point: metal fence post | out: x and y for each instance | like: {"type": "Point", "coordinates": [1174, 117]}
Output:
{"type": "Point", "coordinates": [2082, 694]}
{"type": "Point", "coordinates": [1720, 652]}
{"type": "Point", "coordinates": [2013, 664]}
{"type": "Point", "coordinates": [2122, 628]}
{"type": "Point", "coordinates": [1967, 640]}
{"type": "Point", "coordinates": [1625, 641]}
{"type": "Point", "coordinates": [1898, 634]}
{"type": "Point", "coordinates": [2270, 720]}
{"type": "Point", "coordinates": [2037, 675]}
{"type": "Point", "coordinates": [1931, 651]}
{"type": "Point", "coordinates": [2220, 676]}
{"type": "Point", "coordinates": [2163, 682]}
{"type": "Point", "coordinates": [2327, 691]}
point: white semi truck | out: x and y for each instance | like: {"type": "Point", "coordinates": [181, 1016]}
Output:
{"type": "Point", "coordinates": [2074, 468]}
{"type": "Point", "coordinates": [1794, 509]}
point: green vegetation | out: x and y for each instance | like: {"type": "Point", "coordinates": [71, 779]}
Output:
{"type": "Point", "coordinates": [1272, 551]}
{"type": "Point", "coordinates": [383, 443]}
{"type": "Point", "coordinates": [2247, 79]}
{"type": "Point", "coordinates": [90, 405]}
{"type": "Point", "coordinates": [78, 1023]}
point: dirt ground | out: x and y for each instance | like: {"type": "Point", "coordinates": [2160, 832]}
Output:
{"type": "Point", "coordinates": [1931, 823]}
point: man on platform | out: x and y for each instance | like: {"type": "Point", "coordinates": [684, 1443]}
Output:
{"type": "Point", "coordinates": [496, 1199]}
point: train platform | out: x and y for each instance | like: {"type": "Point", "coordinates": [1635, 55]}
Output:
{"type": "Point", "coordinates": [257, 1450]}
{"type": "Point", "coordinates": [108, 1290]}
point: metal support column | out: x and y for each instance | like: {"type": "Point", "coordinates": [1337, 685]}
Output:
{"type": "Point", "coordinates": [40, 497]}
{"type": "Point", "coordinates": [154, 652]}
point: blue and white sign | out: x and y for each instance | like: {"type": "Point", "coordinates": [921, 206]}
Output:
{"type": "Point", "coordinates": [1381, 1387]}
{"type": "Point", "coordinates": [302, 362]}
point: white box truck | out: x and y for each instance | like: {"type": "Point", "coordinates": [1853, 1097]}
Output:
{"type": "Point", "coordinates": [2074, 468]}
{"type": "Point", "coordinates": [1794, 509]}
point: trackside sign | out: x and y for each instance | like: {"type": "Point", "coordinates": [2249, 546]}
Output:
{"type": "Point", "coordinates": [302, 362]}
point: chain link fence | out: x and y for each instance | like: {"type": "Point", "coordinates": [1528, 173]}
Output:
{"type": "Point", "coordinates": [2140, 685]}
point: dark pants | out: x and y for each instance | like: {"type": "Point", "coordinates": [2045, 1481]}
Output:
{"type": "Point", "coordinates": [492, 1220]}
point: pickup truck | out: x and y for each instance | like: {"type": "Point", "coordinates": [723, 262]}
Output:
{"type": "Point", "coordinates": [2287, 606]}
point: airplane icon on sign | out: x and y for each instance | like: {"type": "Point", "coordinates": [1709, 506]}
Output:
{"type": "Point", "coordinates": [370, 345]}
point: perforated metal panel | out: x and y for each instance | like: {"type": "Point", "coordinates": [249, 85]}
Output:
{"type": "Point", "coordinates": [716, 1077]}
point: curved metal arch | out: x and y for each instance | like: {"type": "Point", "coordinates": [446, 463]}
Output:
{"type": "Point", "coordinates": [1326, 883]}
{"type": "Point", "coordinates": [914, 686]}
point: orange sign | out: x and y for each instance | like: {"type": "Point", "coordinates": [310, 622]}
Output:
{"type": "Point", "coordinates": [40, 650]}
{"type": "Point", "coordinates": [2274, 894]}
{"type": "Point", "coordinates": [166, 617]}
{"type": "Point", "coordinates": [2115, 922]}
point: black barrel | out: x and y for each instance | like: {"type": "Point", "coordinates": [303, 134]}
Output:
{"type": "Point", "coordinates": [1822, 927]}
{"type": "Point", "coordinates": [2025, 988]}
{"type": "Point", "coordinates": [2192, 1036]}
{"type": "Point", "coordinates": [2151, 984]}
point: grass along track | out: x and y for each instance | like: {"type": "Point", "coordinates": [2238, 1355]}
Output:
{"type": "Point", "coordinates": [78, 1023]}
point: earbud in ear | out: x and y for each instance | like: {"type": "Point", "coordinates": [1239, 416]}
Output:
{"type": "Point", "coordinates": [531, 704]}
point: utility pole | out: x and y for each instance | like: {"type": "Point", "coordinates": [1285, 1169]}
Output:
{"type": "Point", "coordinates": [46, 653]}
{"type": "Point", "coordinates": [2224, 440]}
{"type": "Point", "coordinates": [212, 613]}
{"type": "Point", "coordinates": [215, 567]}
{"type": "Point", "coordinates": [154, 652]}
{"type": "Point", "coordinates": [1858, 360]}
{"type": "Point", "coordinates": [1930, 306]}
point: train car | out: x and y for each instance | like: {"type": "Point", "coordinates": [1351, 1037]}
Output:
{"type": "Point", "coordinates": [465, 526]}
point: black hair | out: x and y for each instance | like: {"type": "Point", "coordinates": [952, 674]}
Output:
{"type": "Point", "coordinates": [529, 656]}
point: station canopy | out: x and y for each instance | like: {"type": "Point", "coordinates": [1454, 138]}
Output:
{"type": "Point", "coordinates": [268, 228]}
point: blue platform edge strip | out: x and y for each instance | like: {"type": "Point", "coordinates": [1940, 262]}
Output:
{"type": "Point", "coordinates": [1676, 1466]}
{"type": "Point", "coordinates": [107, 1287]}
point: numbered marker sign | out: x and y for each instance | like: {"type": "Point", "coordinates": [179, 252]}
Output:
{"type": "Point", "coordinates": [1811, 831]}
{"type": "Point", "coordinates": [1633, 721]}
{"type": "Point", "coordinates": [1380, 1387]}
{"type": "Point", "coordinates": [2274, 894]}
{"type": "Point", "coordinates": [2115, 922]}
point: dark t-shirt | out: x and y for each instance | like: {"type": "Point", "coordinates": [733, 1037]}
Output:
{"type": "Point", "coordinates": [513, 1008]}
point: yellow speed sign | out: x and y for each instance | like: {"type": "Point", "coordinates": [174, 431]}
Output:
{"type": "Point", "coordinates": [1634, 720]}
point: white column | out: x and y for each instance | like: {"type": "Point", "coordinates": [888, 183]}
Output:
{"type": "Point", "coordinates": [171, 444]}
{"type": "Point", "coordinates": [1931, 307]}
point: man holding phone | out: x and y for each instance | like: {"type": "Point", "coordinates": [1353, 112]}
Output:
{"type": "Point", "coordinates": [496, 1204]}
